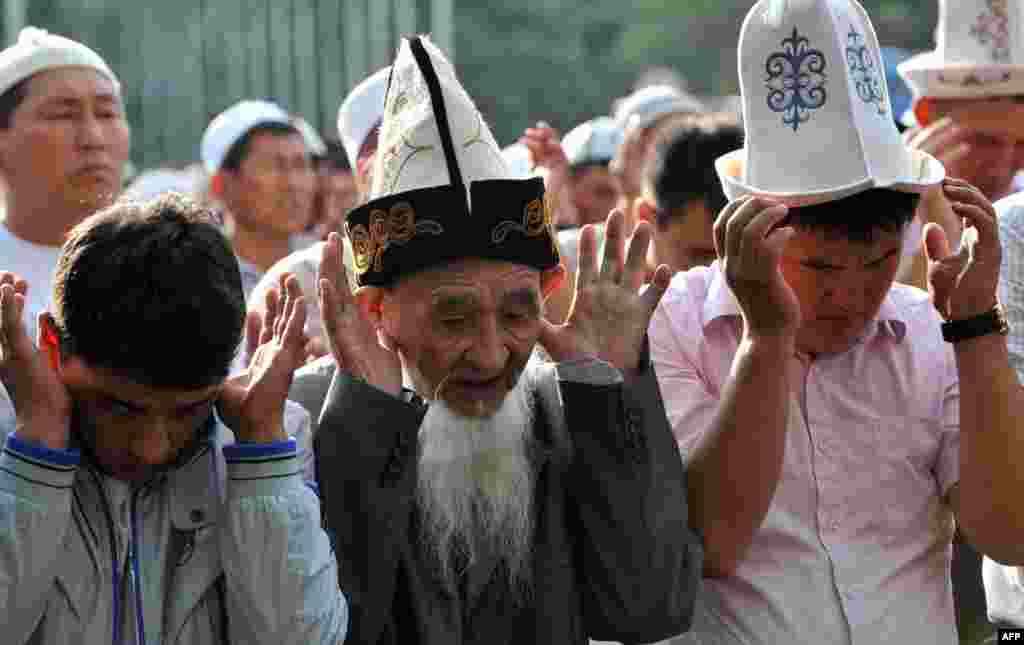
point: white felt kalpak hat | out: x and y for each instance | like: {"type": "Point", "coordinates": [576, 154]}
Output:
{"type": "Point", "coordinates": [441, 188]}
{"type": "Point", "coordinates": [592, 142]}
{"type": "Point", "coordinates": [361, 112]}
{"type": "Point", "coordinates": [816, 113]}
{"type": "Point", "coordinates": [38, 51]}
{"type": "Point", "coordinates": [979, 52]}
{"type": "Point", "coordinates": [228, 127]}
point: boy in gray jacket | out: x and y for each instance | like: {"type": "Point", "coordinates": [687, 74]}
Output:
{"type": "Point", "coordinates": [144, 498]}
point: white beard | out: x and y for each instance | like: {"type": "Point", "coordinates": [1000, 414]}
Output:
{"type": "Point", "coordinates": [475, 486]}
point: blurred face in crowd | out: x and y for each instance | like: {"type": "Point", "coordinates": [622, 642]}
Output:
{"type": "Point", "coordinates": [274, 186]}
{"type": "Point", "coordinates": [594, 191]}
{"type": "Point", "coordinates": [840, 284]}
{"type": "Point", "coordinates": [337, 194]}
{"type": "Point", "coordinates": [132, 429]}
{"type": "Point", "coordinates": [68, 138]}
{"type": "Point", "coordinates": [682, 240]}
{"type": "Point", "coordinates": [364, 163]}
{"type": "Point", "coordinates": [993, 133]}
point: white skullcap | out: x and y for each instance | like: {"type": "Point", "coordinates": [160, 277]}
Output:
{"type": "Point", "coordinates": [38, 50]}
{"type": "Point", "coordinates": [592, 142]}
{"type": "Point", "coordinates": [228, 127]}
{"type": "Point", "coordinates": [314, 142]}
{"type": "Point", "coordinates": [643, 107]}
{"type": "Point", "coordinates": [360, 112]}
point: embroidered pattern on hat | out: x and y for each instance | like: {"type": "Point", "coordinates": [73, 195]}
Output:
{"type": "Point", "coordinates": [537, 220]}
{"type": "Point", "coordinates": [992, 28]}
{"type": "Point", "coordinates": [864, 72]}
{"type": "Point", "coordinates": [397, 226]}
{"type": "Point", "coordinates": [977, 79]}
{"type": "Point", "coordinates": [796, 80]}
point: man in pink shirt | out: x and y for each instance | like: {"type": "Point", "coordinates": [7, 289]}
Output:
{"type": "Point", "coordinates": [831, 436]}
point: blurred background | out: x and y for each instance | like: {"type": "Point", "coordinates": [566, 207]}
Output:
{"type": "Point", "coordinates": [563, 61]}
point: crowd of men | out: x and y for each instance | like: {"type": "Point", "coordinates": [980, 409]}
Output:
{"type": "Point", "coordinates": [681, 376]}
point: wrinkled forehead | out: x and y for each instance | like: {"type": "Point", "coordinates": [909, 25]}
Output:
{"type": "Point", "coordinates": [484, 281]}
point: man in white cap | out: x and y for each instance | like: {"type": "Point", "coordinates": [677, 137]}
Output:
{"type": "Point", "coordinates": [64, 142]}
{"type": "Point", "coordinates": [835, 424]}
{"type": "Point", "coordinates": [478, 498]}
{"type": "Point", "coordinates": [967, 106]}
{"type": "Point", "coordinates": [261, 170]}
{"type": "Point", "coordinates": [966, 93]}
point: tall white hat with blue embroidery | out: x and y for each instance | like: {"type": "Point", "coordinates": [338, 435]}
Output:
{"type": "Point", "coordinates": [979, 52]}
{"type": "Point", "coordinates": [816, 111]}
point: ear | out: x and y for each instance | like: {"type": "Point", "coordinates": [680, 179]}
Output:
{"type": "Point", "coordinates": [49, 340]}
{"type": "Point", "coordinates": [370, 301]}
{"type": "Point", "coordinates": [5, 148]}
{"type": "Point", "coordinates": [551, 279]}
{"type": "Point", "coordinates": [217, 184]}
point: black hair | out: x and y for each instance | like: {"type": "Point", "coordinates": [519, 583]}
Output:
{"type": "Point", "coordinates": [10, 100]}
{"type": "Point", "coordinates": [682, 168]}
{"type": "Point", "coordinates": [152, 292]}
{"type": "Point", "coordinates": [335, 158]}
{"type": "Point", "coordinates": [858, 217]}
{"type": "Point", "coordinates": [240, 149]}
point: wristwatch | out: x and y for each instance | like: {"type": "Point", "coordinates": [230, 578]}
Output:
{"type": "Point", "coordinates": [993, 320]}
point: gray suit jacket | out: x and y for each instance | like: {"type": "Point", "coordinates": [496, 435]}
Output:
{"type": "Point", "coordinates": [310, 385]}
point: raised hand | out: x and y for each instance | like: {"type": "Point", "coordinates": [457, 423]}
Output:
{"type": "Point", "coordinates": [252, 403]}
{"type": "Point", "coordinates": [749, 245]}
{"type": "Point", "coordinates": [42, 405]}
{"type": "Point", "coordinates": [547, 154]}
{"type": "Point", "coordinates": [350, 335]}
{"type": "Point", "coordinates": [609, 314]}
{"type": "Point", "coordinates": [964, 284]}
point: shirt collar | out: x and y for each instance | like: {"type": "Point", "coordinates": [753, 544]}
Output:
{"type": "Point", "coordinates": [721, 304]}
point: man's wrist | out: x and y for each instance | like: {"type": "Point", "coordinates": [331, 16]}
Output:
{"type": "Point", "coordinates": [47, 433]}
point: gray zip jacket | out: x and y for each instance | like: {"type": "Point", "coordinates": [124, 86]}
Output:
{"type": "Point", "coordinates": [227, 548]}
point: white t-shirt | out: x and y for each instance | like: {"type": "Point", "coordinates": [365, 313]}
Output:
{"type": "Point", "coordinates": [36, 264]}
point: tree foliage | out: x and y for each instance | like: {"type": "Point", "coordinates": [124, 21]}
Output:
{"type": "Point", "coordinates": [564, 61]}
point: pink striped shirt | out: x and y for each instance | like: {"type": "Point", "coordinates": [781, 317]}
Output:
{"type": "Point", "coordinates": [856, 544]}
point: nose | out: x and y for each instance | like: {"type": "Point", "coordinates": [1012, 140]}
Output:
{"type": "Point", "coordinates": [90, 131]}
{"type": "Point", "coordinates": [488, 353]}
{"type": "Point", "coordinates": [845, 296]}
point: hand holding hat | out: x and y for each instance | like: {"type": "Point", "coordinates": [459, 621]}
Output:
{"type": "Point", "coordinates": [964, 284]}
{"type": "Point", "coordinates": [750, 243]}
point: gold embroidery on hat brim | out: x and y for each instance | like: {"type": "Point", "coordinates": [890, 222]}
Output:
{"type": "Point", "coordinates": [537, 220]}
{"type": "Point", "coordinates": [397, 226]}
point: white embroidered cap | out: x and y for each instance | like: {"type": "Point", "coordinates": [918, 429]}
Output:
{"type": "Point", "coordinates": [361, 112]}
{"type": "Point", "coordinates": [817, 119]}
{"type": "Point", "coordinates": [228, 127]}
{"type": "Point", "coordinates": [646, 105]}
{"type": "Point", "coordinates": [592, 142]}
{"type": "Point", "coordinates": [38, 51]}
{"type": "Point", "coordinates": [979, 52]}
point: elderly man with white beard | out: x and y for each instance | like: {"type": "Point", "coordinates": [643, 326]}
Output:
{"type": "Point", "coordinates": [477, 495]}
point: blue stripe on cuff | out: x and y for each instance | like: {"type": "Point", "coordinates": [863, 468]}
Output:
{"type": "Point", "coordinates": [256, 451]}
{"type": "Point", "coordinates": [37, 452]}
